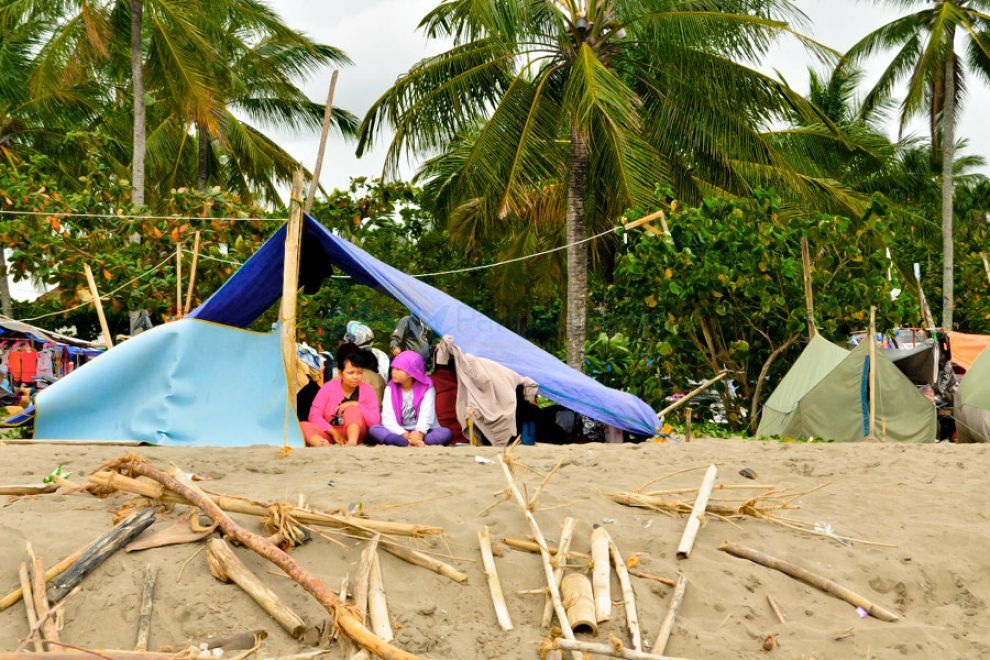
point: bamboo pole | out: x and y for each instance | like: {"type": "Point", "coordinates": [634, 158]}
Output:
{"type": "Point", "coordinates": [579, 602]}
{"type": "Point", "coordinates": [178, 281]}
{"type": "Point", "coordinates": [324, 132]}
{"type": "Point", "coordinates": [688, 414]}
{"type": "Point", "coordinates": [41, 607]}
{"type": "Point", "coordinates": [147, 605]}
{"type": "Point", "coordinates": [605, 649]}
{"type": "Point", "coordinates": [806, 576]}
{"type": "Point", "coordinates": [775, 608]}
{"type": "Point", "coordinates": [290, 279]}
{"type": "Point", "coordinates": [192, 274]}
{"type": "Point", "coordinates": [601, 574]}
{"type": "Point", "coordinates": [694, 520]}
{"type": "Point", "coordinates": [566, 534]}
{"type": "Point", "coordinates": [667, 627]}
{"type": "Point", "coordinates": [377, 606]}
{"type": "Point", "coordinates": [104, 328]}
{"type": "Point", "coordinates": [986, 264]}
{"type": "Point", "coordinates": [873, 372]}
{"type": "Point", "coordinates": [809, 299]}
{"type": "Point", "coordinates": [690, 395]}
{"type": "Point", "coordinates": [417, 558]}
{"type": "Point", "coordinates": [50, 574]}
{"type": "Point", "coordinates": [926, 311]}
{"type": "Point", "coordinates": [363, 578]}
{"type": "Point", "coordinates": [32, 612]}
{"type": "Point", "coordinates": [534, 547]}
{"type": "Point", "coordinates": [28, 489]}
{"type": "Point", "coordinates": [628, 596]}
{"type": "Point", "coordinates": [494, 585]}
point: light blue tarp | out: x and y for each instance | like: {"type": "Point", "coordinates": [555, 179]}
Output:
{"type": "Point", "coordinates": [184, 383]}
{"type": "Point", "coordinates": [258, 284]}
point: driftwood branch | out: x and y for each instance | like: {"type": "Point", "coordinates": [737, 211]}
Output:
{"type": "Point", "coordinates": [147, 605]}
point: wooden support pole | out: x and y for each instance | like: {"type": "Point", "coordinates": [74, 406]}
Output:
{"type": "Point", "coordinates": [690, 395]}
{"type": "Point", "coordinates": [494, 585]}
{"type": "Point", "coordinates": [377, 606]}
{"type": "Point", "coordinates": [873, 372]}
{"type": "Point", "coordinates": [192, 274]}
{"type": "Point", "coordinates": [806, 576]}
{"type": "Point", "coordinates": [601, 574]}
{"type": "Point", "coordinates": [50, 574]}
{"type": "Point", "coordinates": [324, 132]}
{"type": "Point", "coordinates": [147, 605]}
{"type": "Point", "coordinates": [93, 291]}
{"type": "Point", "coordinates": [667, 627]}
{"type": "Point", "coordinates": [566, 534]}
{"type": "Point", "coordinates": [697, 512]}
{"type": "Point", "coordinates": [809, 299]}
{"type": "Point", "coordinates": [178, 281]}
{"type": "Point", "coordinates": [290, 279]}
{"type": "Point", "coordinates": [32, 612]}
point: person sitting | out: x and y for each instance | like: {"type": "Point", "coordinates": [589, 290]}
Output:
{"type": "Point", "coordinates": [409, 416]}
{"type": "Point", "coordinates": [366, 360]}
{"type": "Point", "coordinates": [345, 407]}
{"type": "Point", "coordinates": [412, 335]}
{"type": "Point", "coordinates": [362, 336]}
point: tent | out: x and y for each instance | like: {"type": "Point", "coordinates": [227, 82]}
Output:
{"type": "Point", "coordinates": [206, 380]}
{"type": "Point", "coordinates": [826, 395]}
{"type": "Point", "coordinates": [972, 404]}
{"type": "Point", "coordinates": [966, 348]}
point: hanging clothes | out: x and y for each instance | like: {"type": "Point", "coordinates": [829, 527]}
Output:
{"type": "Point", "coordinates": [23, 364]}
{"type": "Point", "coordinates": [45, 364]}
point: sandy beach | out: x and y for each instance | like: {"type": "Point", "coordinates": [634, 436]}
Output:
{"type": "Point", "coordinates": [929, 501]}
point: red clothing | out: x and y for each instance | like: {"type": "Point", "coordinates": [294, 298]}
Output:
{"type": "Point", "coordinates": [23, 365]}
{"type": "Point", "coordinates": [445, 382]}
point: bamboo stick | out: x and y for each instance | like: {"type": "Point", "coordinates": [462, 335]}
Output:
{"type": "Point", "coordinates": [809, 298]}
{"type": "Point", "coordinates": [628, 596]}
{"type": "Point", "coordinates": [104, 328]}
{"type": "Point", "coordinates": [32, 612]}
{"type": "Point", "coordinates": [548, 571]}
{"type": "Point", "coordinates": [324, 132]}
{"type": "Point", "coordinates": [50, 574]}
{"type": "Point", "coordinates": [534, 547]}
{"type": "Point", "coordinates": [112, 654]}
{"type": "Point", "coordinates": [192, 274]}
{"type": "Point", "coordinates": [232, 504]}
{"type": "Point", "coordinates": [226, 567]}
{"type": "Point", "coordinates": [601, 574]}
{"type": "Point", "coordinates": [654, 578]}
{"type": "Point", "coordinates": [605, 649]}
{"type": "Point", "coordinates": [775, 608]}
{"type": "Point", "coordinates": [873, 372]}
{"type": "Point", "coordinates": [147, 605]}
{"type": "Point", "coordinates": [178, 281]}
{"type": "Point", "coordinates": [417, 558]}
{"type": "Point", "coordinates": [806, 576]}
{"type": "Point", "coordinates": [688, 414]}
{"type": "Point", "coordinates": [32, 635]}
{"type": "Point", "coordinates": [28, 489]}
{"type": "Point", "coordinates": [690, 395]}
{"type": "Point", "coordinates": [41, 607]}
{"type": "Point", "coordinates": [377, 606]}
{"type": "Point", "coordinates": [986, 264]}
{"type": "Point", "coordinates": [494, 586]}
{"type": "Point", "coordinates": [694, 520]}
{"type": "Point", "coordinates": [667, 627]}
{"type": "Point", "coordinates": [290, 278]}
{"type": "Point", "coordinates": [363, 577]}
{"type": "Point", "coordinates": [579, 602]}
{"type": "Point", "coordinates": [566, 534]}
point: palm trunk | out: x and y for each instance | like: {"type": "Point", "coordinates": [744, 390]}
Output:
{"type": "Point", "coordinates": [5, 303]}
{"type": "Point", "coordinates": [204, 155]}
{"type": "Point", "coordinates": [577, 255]}
{"type": "Point", "coordinates": [137, 76]}
{"type": "Point", "coordinates": [948, 188]}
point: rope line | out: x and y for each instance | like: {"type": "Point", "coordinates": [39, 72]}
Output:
{"type": "Point", "coordinates": [129, 216]}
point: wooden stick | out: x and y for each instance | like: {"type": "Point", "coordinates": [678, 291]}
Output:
{"type": "Point", "coordinates": [690, 395]}
{"type": "Point", "coordinates": [87, 654]}
{"type": "Point", "coordinates": [99, 552]}
{"type": "Point", "coordinates": [29, 489]}
{"type": "Point", "coordinates": [534, 547]}
{"type": "Point", "coordinates": [231, 504]}
{"type": "Point", "coordinates": [775, 608]}
{"type": "Point", "coordinates": [343, 617]}
{"type": "Point", "coordinates": [873, 372]}
{"type": "Point", "coordinates": [226, 567]}
{"type": "Point", "coordinates": [806, 576]}
{"type": "Point", "coordinates": [986, 264]}
{"type": "Point", "coordinates": [327, 114]}
{"type": "Point", "coordinates": [694, 520]}
{"type": "Point", "coordinates": [363, 578]}
{"type": "Point", "coordinates": [178, 281]}
{"type": "Point", "coordinates": [192, 274]}
{"type": "Point", "coordinates": [50, 574]}
{"type": "Point", "coordinates": [107, 337]}
{"type": "Point", "coordinates": [604, 649]}
{"type": "Point", "coordinates": [548, 570]}
{"type": "Point", "coordinates": [377, 606]}
{"type": "Point", "coordinates": [417, 558]}
{"type": "Point", "coordinates": [41, 607]}
{"type": "Point", "coordinates": [579, 601]}
{"type": "Point", "coordinates": [601, 574]}
{"type": "Point", "coordinates": [688, 414]}
{"type": "Point", "coordinates": [147, 605]}
{"type": "Point", "coordinates": [32, 635]}
{"type": "Point", "coordinates": [32, 612]}
{"type": "Point", "coordinates": [667, 627]}
{"type": "Point", "coordinates": [654, 578]}
{"type": "Point", "coordinates": [494, 586]}
{"type": "Point", "coordinates": [628, 596]}
{"type": "Point", "coordinates": [809, 299]}
{"type": "Point", "coordinates": [290, 278]}
{"type": "Point", "coordinates": [566, 534]}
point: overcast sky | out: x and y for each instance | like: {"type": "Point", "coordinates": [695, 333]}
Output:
{"type": "Point", "coordinates": [380, 36]}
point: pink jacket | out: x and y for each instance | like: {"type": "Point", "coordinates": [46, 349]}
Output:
{"type": "Point", "coordinates": [331, 395]}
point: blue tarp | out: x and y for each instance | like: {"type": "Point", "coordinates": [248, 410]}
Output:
{"type": "Point", "coordinates": [258, 284]}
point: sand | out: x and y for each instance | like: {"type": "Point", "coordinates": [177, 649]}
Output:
{"type": "Point", "coordinates": [931, 501]}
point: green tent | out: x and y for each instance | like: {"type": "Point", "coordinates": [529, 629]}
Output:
{"type": "Point", "coordinates": [972, 404]}
{"type": "Point", "coordinates": [826, 395]}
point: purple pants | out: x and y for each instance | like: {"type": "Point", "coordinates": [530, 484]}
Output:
{"type": "Point", "coordinates": [382, 436]}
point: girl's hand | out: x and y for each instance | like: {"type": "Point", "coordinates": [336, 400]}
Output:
{"type": "Point", "coordinates": [416, 439]}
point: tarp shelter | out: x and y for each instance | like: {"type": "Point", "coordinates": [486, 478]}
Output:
{"type": "Point", "coordinates": [972, 404]}
{"type": "Point", "coordinates": [826, 395]}
{"type": "Point", "coordinates": [966, 348]}
{"type": "Point", "coordinates": [205, 380]}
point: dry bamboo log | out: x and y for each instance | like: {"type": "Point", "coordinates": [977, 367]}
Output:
{"type": "Point", "coordinates": [494, 586]}
{"type": "Point", "coordinates": [95, 293]}
{"type": "Point", "coordinates": [603, 649]}
{"type": "Point", "coordinates": [28, 489]}
{"type": "Point", "coordinates": [226, 567]}
{"type": "Point", "coordinates": [147, 605]}
{"type": "Point", "coordinates": [377, 606]}
{"type": "Point", "coordinates": [694, 520]}
{"type": "Point", "coordinates": [653, 578]}
{"type": "Point", "coordinates": [99, 552]}
{"type": "Point", "coordinates": [579, 603]}
{"type": "Point", "coordinates": [534, 547]}
{"type": "Point", "coordinates": [601, 574]}
{"type": "Point", "coordinates": [628, 595]}
{"type": "Point", "coordinates": [50, 574]}
{"type": "Point", "coordinates": [41, 607]}
{"type": "Point", "coordinates": [343, 617]}
{"type": "Point", "coordinates": [363, 577]}
{"type": "Point", "coordinates": [667, 627]}
{"type": "Point", "coordinates": [231, 504]}
{"type": "Point", "coordinates": [806, 576]}
{"type": "Point", "coordinates": [566, 534]}
{"type": "Point", "coordinates": [417, 558]}
{"type": "Point", "coordinates": [32, 613]}
{"type": "Point", "coordinates": [534, 527]}
{"type": "Point", "coordinates": [113, 654]}
{"type": "Point", "coordinates": [775, 608]}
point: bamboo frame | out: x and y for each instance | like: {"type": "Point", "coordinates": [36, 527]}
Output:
{"type": "Point", "coordinates": [697, 513]}
{"type": "Point", "coordinates": [494, 585]}
{"type": "Point", "coordinates": [290, 279]}
{"type": "Point", "coordinates": [667, 627]}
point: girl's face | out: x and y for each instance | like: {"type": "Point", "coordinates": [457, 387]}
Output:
{"type": "Point", "coordinates": [351, 375]}
{"type": "Point", "coordinates": [401, 377]}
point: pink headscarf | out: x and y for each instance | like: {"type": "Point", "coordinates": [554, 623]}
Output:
{"type": "Point", "coordinates": [412, 363]}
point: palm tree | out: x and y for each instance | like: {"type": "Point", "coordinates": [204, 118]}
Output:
{"type": "Point", "coordinates": [928, 56]}
{"type": "Point", "coordinates": [589, 104]}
